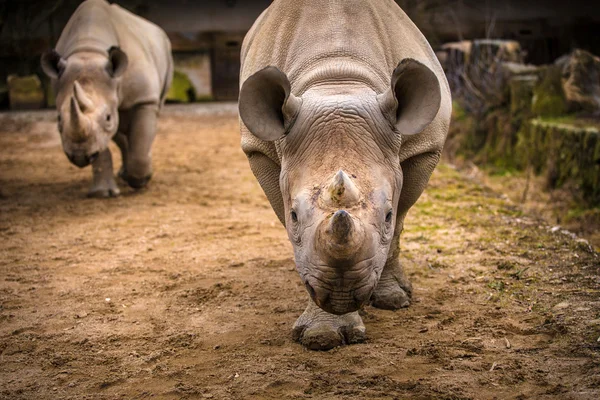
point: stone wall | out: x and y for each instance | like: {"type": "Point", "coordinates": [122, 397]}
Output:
{"type": "Point", "coordinates": [541, 127]}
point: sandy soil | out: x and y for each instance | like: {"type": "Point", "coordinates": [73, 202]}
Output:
{"type": "Point", "coordinates": [187, 290]}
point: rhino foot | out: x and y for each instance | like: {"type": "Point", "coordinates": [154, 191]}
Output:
{"type": "Point", "coordinates": [137, 183]}
{"type": "Point", "coordinates": [319, 330]}
{"type": "Point", "coordinates": [393, 291]}
{"type": "Point", "coordinates": [104, 191]}
{"type": "Point", "coordinates": [132, 181]}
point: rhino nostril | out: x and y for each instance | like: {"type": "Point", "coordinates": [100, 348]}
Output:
{"type": "Point", "coordinates": [94, 156]}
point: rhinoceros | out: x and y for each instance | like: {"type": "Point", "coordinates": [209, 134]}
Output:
{"type": "Point", "coordinates": [110, 72]}
{"type": "Point", "coordinates": [344, 110]}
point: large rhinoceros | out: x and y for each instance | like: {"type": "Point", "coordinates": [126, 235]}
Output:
{"type": "Point", "coordinates": [110, 71]}
{"type": "Point", "coordinates": [344, 112]}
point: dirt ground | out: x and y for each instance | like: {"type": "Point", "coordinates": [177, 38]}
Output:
{"type": "Point", "coordinates": [187, 290]}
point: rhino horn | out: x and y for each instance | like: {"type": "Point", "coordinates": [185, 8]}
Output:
{"type": "Point", "coordinates": [78, 121]}
{"type": "Point", "coordinates": [84, 102]}
{"type": "Point", "coordinates": [340, 237]}
{"type": "Point", "coordinates": [340, 227]}
{"type": "Point", "coordinates": [342, 191]}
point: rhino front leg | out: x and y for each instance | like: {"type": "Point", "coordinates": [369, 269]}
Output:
{"type": "Point", "coordinates": [142, 129]}
{"type": "Point", "coordinates": [394, 290]}
{"type": "Point", "coordinates": [121, 140]}
{"type": "Point", "coordinates": [319, 330]}
{"type": "Point", "coordinates": [104, 184]}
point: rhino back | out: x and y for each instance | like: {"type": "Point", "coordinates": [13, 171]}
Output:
{"type": "Point", "coordinates": [311, 40]}
{"type": "Point", "coordinates": [97, 26]}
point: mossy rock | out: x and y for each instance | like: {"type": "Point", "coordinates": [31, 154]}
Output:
{"type": "Point", "coordinates": [521, 95]}
{"type": "Point", "coordinates": [25, 92]}
{"type": "Point", "coordinates": [548, 96]}
{"type": "Point", "coordinates": [566, 154]}
{"type": "Point", "coordinates": [580, 72]}
{"type": "Point", "coordinates": [182, 90]}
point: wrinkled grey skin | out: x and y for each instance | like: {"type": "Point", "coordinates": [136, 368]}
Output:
{"type": "Point", "coordinates": [344, 110]}
{"type": "Point", "coordinates": [110, 71]}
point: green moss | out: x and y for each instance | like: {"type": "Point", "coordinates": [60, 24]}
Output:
{"type": "Point", "coordinates": [458, 112]}
{"type": "Point", "coordinates": [25, 92]}
{"type": "Point", "coordinates": [521, 96]}
{"type": "Point", "coordinates": [548, 96]}
{"type": "Point", "coordinates": [182, 90]}
{"type": "Point", "coordinates": [565, 153]}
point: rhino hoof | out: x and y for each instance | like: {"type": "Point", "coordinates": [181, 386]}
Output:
{"type": "Point", "coordinates": [137, 183]}
{"type": "Point", "coordinates": [318, 330]}
{"type": "Point", "coordinates": [103, 193]}
{"type": "Point", "coordinates": [326, 337]}
{"type": "Point", "coordinates": [391, 295]}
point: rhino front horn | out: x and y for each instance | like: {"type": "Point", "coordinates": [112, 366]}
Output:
{"type": "Point", "coordinates": [341, 236]}
{"type": "Point", "coordinates": [85, 104]}
{"type": "Point", "coordinates": [78, 121]}
{"type": "Point", "coordinates": [342, 191]}
{"type": "Point", "coordinates": [341, 226]}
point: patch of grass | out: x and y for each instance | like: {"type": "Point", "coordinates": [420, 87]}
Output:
{"type": "Point", "coordinates": [497, 285]}
{"type": "Point", "coordinates": [517, 275]}
{"type": "Point", "coordinates": [505, 265]}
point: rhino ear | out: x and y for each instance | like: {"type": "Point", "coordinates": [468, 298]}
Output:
{"type": "Point", "coordinates": [53, 64]}
{"type": "Point", "coordinates": [267, 106]}
{"type": "Point", "coordinates": [413, 100]}
{"type": "Point", "coordinates": [117, 62]}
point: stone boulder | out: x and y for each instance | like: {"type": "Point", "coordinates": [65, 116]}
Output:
{"type": "Point", "coordinates": [581, 80]}
{"type": "Point", "coordinates": [181, 90]}
{"type": "Point", "coordinates": [25, 92]}
{"type": "Point", "coordinates": [549, 98]}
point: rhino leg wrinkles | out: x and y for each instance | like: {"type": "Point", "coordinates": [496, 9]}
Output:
{"type": "Point", "coordinates": [103, 184]}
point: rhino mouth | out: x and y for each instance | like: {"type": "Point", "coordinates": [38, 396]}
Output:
{"type": "Point", "coordinates": [82, 160]}
{"type": "Point", "coordinates": [341, 297]}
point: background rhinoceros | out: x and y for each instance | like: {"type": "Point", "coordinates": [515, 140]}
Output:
{"type": "Point", "coordinates": [111, 71]}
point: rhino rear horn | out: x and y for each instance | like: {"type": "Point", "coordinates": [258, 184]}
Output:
{"type": "Point", "coordinates": [53, 64]}
{"type": "Point", "coordinates": [413, 99]}
{"type": "Point", "coordinates": [266, 104]}
{"type": "Point", "coordinates": [342, 191]}
{"type": "Point", "coordinates": [117, 62]}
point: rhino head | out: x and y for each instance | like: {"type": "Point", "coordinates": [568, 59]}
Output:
{"type": "Point", "coordinates": [86, 100]}
{"type": "Point", "coordinates": [340, 177]}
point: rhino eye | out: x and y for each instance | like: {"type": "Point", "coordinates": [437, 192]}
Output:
{"type": "Point", "coordinates": [294, 216]}
{"type": "Point", "coordinates": [107, 117]}
{"type": "Point", "coordinates": [388, 217]}
{"type": "Point", "coordinates": [59, 119]}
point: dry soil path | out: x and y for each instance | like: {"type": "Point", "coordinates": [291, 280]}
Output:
{"type": "Point", "coordinates": [187, 290]}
